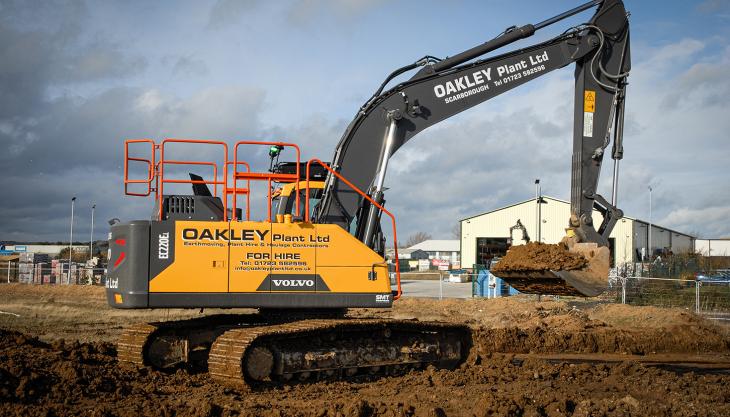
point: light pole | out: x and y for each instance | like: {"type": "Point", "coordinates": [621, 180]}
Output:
{"type": "Point", "coordinates": [71, 239]}
{"type": "Point", "coordinates": [537, 208]}
{"type": "Point", "coordinates": [649, 237]}
{"type": "Point", "coordinates": [91, 240]}
{"type": "Point", "coordinates": [539, 214]}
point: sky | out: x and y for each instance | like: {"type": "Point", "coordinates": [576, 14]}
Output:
{"type": "Point", "coordinates": [77, 78]}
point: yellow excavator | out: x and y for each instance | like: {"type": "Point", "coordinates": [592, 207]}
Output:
{"type": "Point", "coordinates": [321, 248]}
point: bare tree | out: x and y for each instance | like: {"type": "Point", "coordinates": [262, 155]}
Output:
{"type": "Point", "coordinates": [78, 255]}
{"type": "Point", "coordinates": [456, 231]}
{"type": "Point", "coordinates": [417, 238]}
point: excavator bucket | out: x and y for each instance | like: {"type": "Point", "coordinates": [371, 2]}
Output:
{"type": "Point", "coordinates": [589, 281]}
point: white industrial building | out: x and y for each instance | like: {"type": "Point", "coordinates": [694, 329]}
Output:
{"type": "Point", "coordinates": [443, 249]}
{"type": "Point", "coordinates": [485, 236]}
{"type": "Point", "coordinates": [713, 247]}
{"type": "Point", "coordinates": [48, 249]}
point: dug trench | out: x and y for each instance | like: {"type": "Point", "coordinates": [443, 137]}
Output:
{"type": "Point", "coordinates": [508, 371]}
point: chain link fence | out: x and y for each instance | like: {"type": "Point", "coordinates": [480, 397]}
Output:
{"type": "Point", "coordinates": [706, 297]}
{"type": "Point", "coordinates": [61, 274]}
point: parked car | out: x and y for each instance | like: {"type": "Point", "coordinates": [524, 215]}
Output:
{"type": "Point", "coordinates": [718, 275]}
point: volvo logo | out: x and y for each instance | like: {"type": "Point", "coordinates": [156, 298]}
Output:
{"type": "Point", "coordinates": [293, 282]}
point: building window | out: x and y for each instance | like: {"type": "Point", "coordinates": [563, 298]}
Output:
{"type": "Point", "coordinates": [489, 248]}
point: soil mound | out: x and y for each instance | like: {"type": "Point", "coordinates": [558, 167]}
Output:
{"type": "Point", "coordinates": [536, 256]}
{"type": "Point", "coordinates": [33, 370]}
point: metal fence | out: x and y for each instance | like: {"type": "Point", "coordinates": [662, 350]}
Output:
{"type": "Point", "coordinates": [44, 275]}
{"type": "Point", "coordinates": [706, 297]}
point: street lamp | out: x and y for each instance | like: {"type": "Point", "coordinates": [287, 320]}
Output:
{"type": "Point", "coordinates": [649, 238]}
{"type": "Point", "coordinates": [71, 239]}
{"type": "Point", "coordinates": [91, 240]}
{"type": "Point", "coordinates": [537, 209]}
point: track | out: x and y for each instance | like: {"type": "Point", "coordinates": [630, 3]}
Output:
{"type": "Point", "coordinates": [260, 353]}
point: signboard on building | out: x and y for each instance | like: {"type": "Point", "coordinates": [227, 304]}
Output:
{"type": "Point", "coordinates": [440, 264]}
{"type": "Point", "coordinates": [424, 265]}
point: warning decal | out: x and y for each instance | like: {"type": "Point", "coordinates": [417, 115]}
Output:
{"type": "Point", "coordinates": [588, 124]}
{"type": "Point", "coordinates": [589, 101]}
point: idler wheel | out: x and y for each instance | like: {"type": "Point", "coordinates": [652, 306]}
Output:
{"type": "Point", "coordinates": [259, 363]}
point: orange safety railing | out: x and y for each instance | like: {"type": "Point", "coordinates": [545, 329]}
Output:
{"type": "Point", "coordinates": [150, 167]}
{"type": "Point", "coordinates": [215, 182]}
{"type": "Point", "coordinates": [367, 197]}
{"type": "Point", "coordinates": [211, 164]}
{"type": "Point", "coordinates": [265, 176]}
{"type": "Point", "coordinates": [235, 191]}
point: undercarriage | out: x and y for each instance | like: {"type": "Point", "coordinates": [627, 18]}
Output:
{"type": "Point", "coordinates": [259, 350]}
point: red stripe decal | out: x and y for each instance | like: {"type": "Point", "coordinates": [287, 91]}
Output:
{"type": "Point", "coordinates": [120, 259]}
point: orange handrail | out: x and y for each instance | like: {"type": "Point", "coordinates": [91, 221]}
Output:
{"type": "Point", "coordinates": [150, 169]}
{"type": "Point", "coordinates": [266, 176]}
{"type": "Point", "coordinates": [373, 202]}
{"type": "Point", "coordinates": [215, 182]}
{"type": "Point", "coordinates": [235, 191]}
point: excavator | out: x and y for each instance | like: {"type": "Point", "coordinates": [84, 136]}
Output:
{"type": "Point", "coordinates": [321, 249]}
{"type": "Point", "coordinates": [521, 227]}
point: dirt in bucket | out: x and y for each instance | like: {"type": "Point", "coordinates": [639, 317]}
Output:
{"type": "Point", "coordinates": [536, 256]}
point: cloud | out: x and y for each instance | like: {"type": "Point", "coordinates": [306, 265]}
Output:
{"type": "Point", "coordinates": [71, 94]}
{"type": "Point", "coordinates": [188, 65]}
{"type": "Point", "coordinates": [721, 7]}
{"type": "Point", "coordinates": [229, 12]}
{"type": "Point", "coordinates": [41, 63]}
{"type": "Point", "coordinates": [57, 144]}
{"type": "Point", "coordinates": [79, 146]}
{"type": "Point", "coordinates": [300, 13]}
{"type": "Point", "coordinates": [304, 12]}
{"type": "Point", "coordinates": [713, 219]}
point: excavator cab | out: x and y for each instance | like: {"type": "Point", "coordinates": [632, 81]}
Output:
{"type": "Point", "coordinates": [283, 199]}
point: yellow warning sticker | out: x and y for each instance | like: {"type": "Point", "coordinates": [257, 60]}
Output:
{"type": "Point", "coordinates": [589, 101]}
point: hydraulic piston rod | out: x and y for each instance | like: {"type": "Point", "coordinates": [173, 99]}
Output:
{"type": "Point", "coordinates": [511, 35]}
{"type": "Point", "coordinates": [373, 212]}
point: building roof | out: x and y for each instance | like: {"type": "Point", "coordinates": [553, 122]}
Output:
{"type": "Point", "coordinates": [545, 197]}
{"type": "Point", "coordinates": [438, 245]}
{"type": "Point", "coordinates": [568, 203]}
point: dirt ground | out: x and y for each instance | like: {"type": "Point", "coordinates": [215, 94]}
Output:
{"type": "Point", "coordinates": [550, 358]}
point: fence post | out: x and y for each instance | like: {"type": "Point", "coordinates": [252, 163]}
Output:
{"type": "Point", "coordinates": [698, 284]}
{"type": "Point", "coordinates": [623, 289]}
{"type": "Point", "coordinates": [441, 286]}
